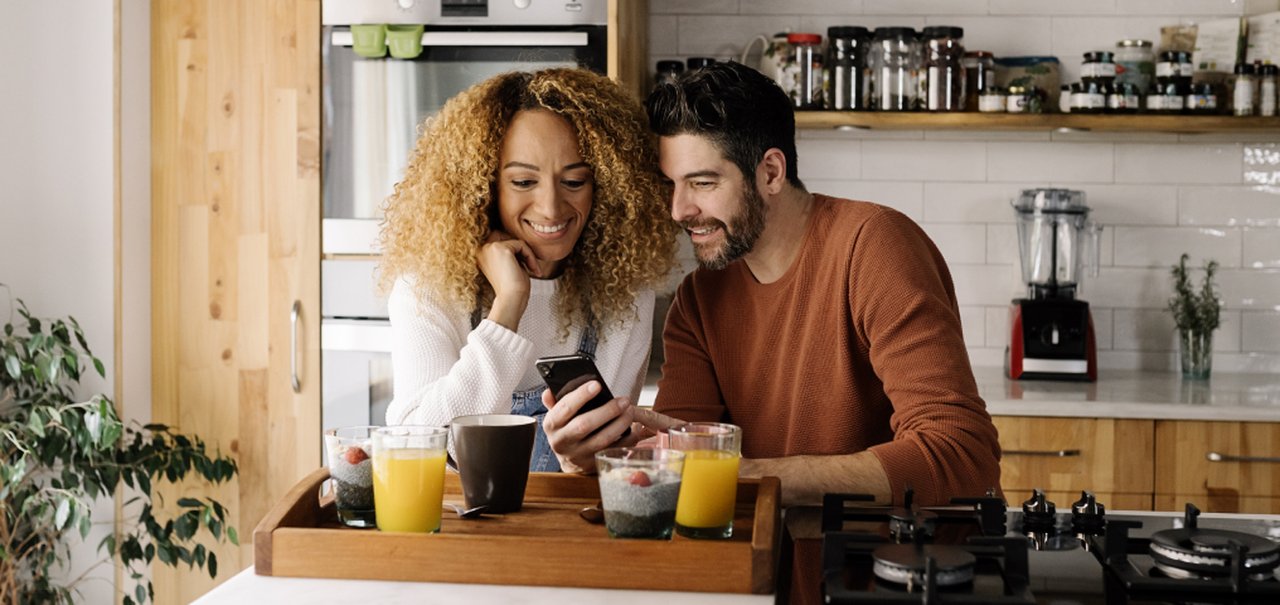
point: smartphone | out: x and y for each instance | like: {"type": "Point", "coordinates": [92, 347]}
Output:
{"type": "Point", "coordinates": [564, 373]}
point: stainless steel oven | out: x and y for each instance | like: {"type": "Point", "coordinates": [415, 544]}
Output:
{"type": "Point", "coordinates": [373, 108]}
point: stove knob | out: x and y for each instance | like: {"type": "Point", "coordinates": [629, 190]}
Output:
{"type": "Point", "coordinates": [1038, 514]}
{"type": "Point", "coordinates": [1087, 514]}
{"type": "Point", "coordinates": [1038, 504]}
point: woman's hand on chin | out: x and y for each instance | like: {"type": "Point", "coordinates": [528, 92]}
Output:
{"type": "Point", "coordinates": [507, 263]}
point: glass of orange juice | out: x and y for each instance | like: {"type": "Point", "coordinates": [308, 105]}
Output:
{"type": "Point", "coordinates": [408, 477]}
{"type": "Point", "coordinates": [709, 487]}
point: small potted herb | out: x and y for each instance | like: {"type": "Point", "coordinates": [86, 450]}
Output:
{"type": "Point", "coordinates": [1196, 314]}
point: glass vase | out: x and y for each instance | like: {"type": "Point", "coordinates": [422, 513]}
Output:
{"type": "Point", "coordinates": [1196, 353]}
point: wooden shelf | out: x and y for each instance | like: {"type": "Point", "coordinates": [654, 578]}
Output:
{"type": "Point", "coordinates": [1030, 122]}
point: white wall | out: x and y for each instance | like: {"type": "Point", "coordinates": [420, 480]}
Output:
{"type": "Point", "coordinates": [56, 194]}
{"type": "Point", "coordinates": [1158, 194]}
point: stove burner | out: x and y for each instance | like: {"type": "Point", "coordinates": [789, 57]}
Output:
{"type": "Point", "coordinates": [1200, 552]}
{"type": "Point", "coordinates": [905, 564]}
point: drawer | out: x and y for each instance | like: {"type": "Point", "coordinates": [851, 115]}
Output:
{"type": "Point", "coordinates": [1067, 455]}
{"type": "Point", "coordinates": [1226, 463]}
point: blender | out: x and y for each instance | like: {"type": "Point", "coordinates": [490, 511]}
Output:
{"type": "Point", "coordinates": [1052, 330]}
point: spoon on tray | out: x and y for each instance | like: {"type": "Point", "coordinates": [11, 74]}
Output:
{"type": "Point", "coordinates": [468, 513]}
{"type": "Point", "coordinates": [593, 514]}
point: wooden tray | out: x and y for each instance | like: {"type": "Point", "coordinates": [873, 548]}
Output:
{"type": "Point", "coordinates": [301, 537]}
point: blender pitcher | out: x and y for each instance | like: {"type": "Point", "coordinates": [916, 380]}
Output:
{"type": "Point", "coordinates": [1056, 241]}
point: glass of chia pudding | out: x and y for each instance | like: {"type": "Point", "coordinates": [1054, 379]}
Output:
{"type": "Point", "coordinates": [348, 452]}
{"type": "Point", "coordinates": [638, 490]}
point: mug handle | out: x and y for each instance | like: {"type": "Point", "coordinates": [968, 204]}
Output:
{"type": "Point", "coordinates": [746, 50]}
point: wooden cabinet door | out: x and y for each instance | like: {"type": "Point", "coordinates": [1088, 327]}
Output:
{"type": "Point", "coordinates": [1064, 456]}
{"type": "Point", "coordinates": [1224, 467]}
{"type": "Point", "coordinates": [235, 244]}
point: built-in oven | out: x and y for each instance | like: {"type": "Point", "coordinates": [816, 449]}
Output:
{"type": "Point", "coordinates": [373, 109]}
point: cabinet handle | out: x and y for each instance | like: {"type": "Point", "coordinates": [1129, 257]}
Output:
{"type": "Point", "coordinates": [293, 346]}
{"type": "Point", "coordinates": [1217, 457]}
{"type": "Point", "coordinates": [1045, 453]}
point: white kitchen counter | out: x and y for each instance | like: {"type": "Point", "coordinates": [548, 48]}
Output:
{"type": "Point", "coordinates": [1135, 394]}
{"type": "Point", "coordinates": [246, 587]}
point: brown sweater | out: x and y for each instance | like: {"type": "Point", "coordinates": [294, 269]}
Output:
{"type": "Point", "coordinates": [857, 346]}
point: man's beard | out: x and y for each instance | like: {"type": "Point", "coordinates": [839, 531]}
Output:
{"type": "Point", "coordinates": [740, 234]}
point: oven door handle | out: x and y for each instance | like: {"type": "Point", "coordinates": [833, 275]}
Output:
{"type": "Point", "coordinates": [1045, 453]}
{"type": "Point", "coordinates": [293, 346]}
{"type": "Point", "coordinates": [490, 38]}
{"type": "Point", "coordinates": [1219, 457]}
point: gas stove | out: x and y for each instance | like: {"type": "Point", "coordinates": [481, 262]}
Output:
{"type": "Point", "coordinates": [978, 551]}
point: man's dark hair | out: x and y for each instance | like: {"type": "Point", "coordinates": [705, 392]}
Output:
{"type": "Point", "coordinates": [740, 109]}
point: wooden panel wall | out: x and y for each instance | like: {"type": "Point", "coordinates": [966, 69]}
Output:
{"type": "Point", "coordinates": [235, 241]}
{"type": "Point", "coordinates": [628, 61]}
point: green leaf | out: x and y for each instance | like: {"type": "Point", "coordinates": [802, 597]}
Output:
{"type": "Point", "coordinates": [97, 365]}
{"type": "Point", "coordinates": [231, 535]}
{"type": "Point", "coordinates": [11, 364]}
{"type": "Point", "coordinates": [166, 555]}
{"type": "Point", "coordinates": [213, 565]}
{"type": "Point", "coordinates": [141, 592]}
{"type": "Point", "coordinates": [189, 503]}
{"type": "Point", "coordinates": [64, 511]}
{"type": "Point", "coordinates": [85, 525]}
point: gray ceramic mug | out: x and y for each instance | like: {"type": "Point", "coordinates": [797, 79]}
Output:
{"type": "Point", "coordinates": [493, 452]}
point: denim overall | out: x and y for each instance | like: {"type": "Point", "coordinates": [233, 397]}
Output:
{"type": "Point", "coordinates": [529, 403]}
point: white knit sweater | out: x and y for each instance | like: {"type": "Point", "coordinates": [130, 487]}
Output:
{"type": "Point", "coordinates": [444, 369]}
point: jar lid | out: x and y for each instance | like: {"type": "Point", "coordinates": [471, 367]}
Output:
{"type": "Point", "coordinates": [890, 33]}
{"type": "Point", "coordinates": [848, 31]}
{"type": "Point", "coordinates": [943, 31]}
{"type": "Point", "coordinates": [804, 38]}
{"type": "Point", "coordinates": [979, 54]}
{"type": "Point", "coordinates": [1133, 43]}
{"type": "Point", "coordinates": [1175, 56]}
{"type": "Point", "coordinates": [1202, 89]}
{"type": "Point", "coordinates": [1017, 89]}
{"type": "Point", "coordinates": [697, 62]}
{"type": "Point", "coordinates": [1269, 70]}
{"type": "Point", "coordinates": [1125, 88]}
{"type": "Point", "coordinates": [1244, 69]}
{"type": "Point", "coordinates": [1099, 56]}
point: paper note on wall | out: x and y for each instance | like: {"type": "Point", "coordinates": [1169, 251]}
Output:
{"type": "Point", "coordinates": [1217, 45]}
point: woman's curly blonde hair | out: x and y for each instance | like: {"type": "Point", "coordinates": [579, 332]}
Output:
{"type": "Point", "coordinates": [443, 210]}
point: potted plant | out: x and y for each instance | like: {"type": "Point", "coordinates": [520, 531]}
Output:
{"type": "Point", "coordinates": [1196, 314]}
{"type": "Point", "coordinates": [59, 454]}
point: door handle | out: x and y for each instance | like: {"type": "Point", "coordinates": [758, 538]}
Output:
{"type": "Point", "coordinates": [1044, 453]}
{"type": "Point", "coordinates": [1217, 457]}
{"type": "Point", "coordinates": [293, 346]}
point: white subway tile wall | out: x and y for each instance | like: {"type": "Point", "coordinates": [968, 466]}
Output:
{"type": "Point", "coordinates": [1158, 194]}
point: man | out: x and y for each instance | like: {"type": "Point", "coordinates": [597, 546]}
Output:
{"type": "Point", "coordinates": [826, 328]}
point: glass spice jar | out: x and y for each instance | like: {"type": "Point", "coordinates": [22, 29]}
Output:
{"type": "Point", "coordinates": [979, 76]}
{"type": "Point", "coordinates": [1175, 64]}
{"type": "Point", "coordinates": [1202, 99]}
{"type": "Point", "coordinates": [1020, 99]}
{"type": "Point", "coordinates": [846, 65]}
{"type": "Point", "coordinates": [1267, 77]}
{"type": "Point", "coordinates": [992, 100]}
{"type": "Point", "coordinates": [943, 50]}
{"type": "Point", "coordinates": [667, 72]}
{"type": "Point", "coordinates": [806, 50]}
{"type": "Point", "coordinates": [1098, 64]}
{"type": "Point", "coordinates": [1168, 96]}
{"type": "Point", "coordinates": [1124, 98]}
{"type": "Point", "coordinates": [1135, 63]}
{"type": "Point", "coordinates": [1244, 89]}
{"type": "Point", "coordinates": [894, 62]}
{"type": "Point", "coordinates": [1090, 96]}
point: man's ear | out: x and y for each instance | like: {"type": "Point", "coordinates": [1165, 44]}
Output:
{"type": "Point", "coordinates": [772, 171]}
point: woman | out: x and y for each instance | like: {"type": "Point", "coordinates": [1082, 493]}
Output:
{"type": "Point", "coordinates": [531, 222]}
